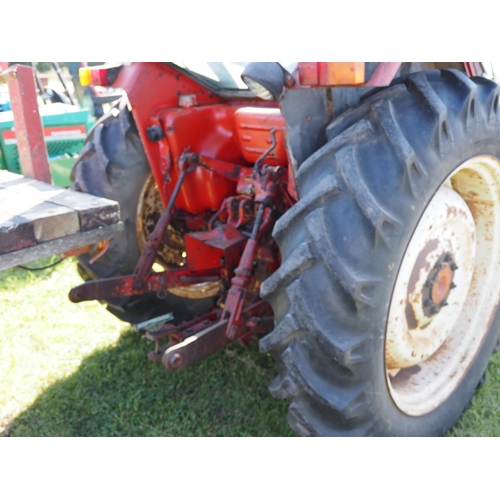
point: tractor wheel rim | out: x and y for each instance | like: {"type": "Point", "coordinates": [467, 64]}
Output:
{"type": "Point", "coordinates": [172, 255]}
{"type": "Point", "coordinates": [447, 289]}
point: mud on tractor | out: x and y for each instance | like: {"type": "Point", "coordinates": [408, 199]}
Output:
{"type": "Point", "coordinates": [347, 213]}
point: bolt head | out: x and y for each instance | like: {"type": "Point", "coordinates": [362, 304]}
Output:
{"type": "Point", "coordinates": [175, 360]}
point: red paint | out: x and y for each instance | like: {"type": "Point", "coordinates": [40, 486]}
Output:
{"type": "Point", "coordinates": [123, 286]}
{"type": "Point", "coordinates": [474, 69]}
{"type": "Point", "coordinates": [308, 73]}
{"type": "Point", "coordinates": [383, 74]}
{"type": "Point", "coordinates": [156, 92]}
{"type": "Point", "coordinates": [312, 74]}
{"type": "Point", "coordinates": [28, 124]}
{"type": "Point", "coordinates": [100, 77]}
{"type": "Point", "coordinates": [208, 131]}
{"type": "Point", "coordinates": [220, 247]}
{"type": "Point", "coordinates": [155, 87]}
{"type": "Point", "coordinates": [253, 127]}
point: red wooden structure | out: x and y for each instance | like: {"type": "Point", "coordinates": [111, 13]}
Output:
{"type": "Point", "coordinates": [27, 121]}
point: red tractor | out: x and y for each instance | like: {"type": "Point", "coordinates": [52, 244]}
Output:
{"type": "Point", "coordinates": [349, 212]}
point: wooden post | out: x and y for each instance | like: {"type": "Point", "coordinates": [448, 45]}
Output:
{"type": "Point", "coordinates": [27, 122]}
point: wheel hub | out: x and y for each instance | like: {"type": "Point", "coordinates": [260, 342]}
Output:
{"type": "Point", "coordinates": [419, 322]}
{"type": "Point", "coordinates": [438, 285]}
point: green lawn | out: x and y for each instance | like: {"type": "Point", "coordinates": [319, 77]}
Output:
{"type": "Point", "coordinates": [75, 370]}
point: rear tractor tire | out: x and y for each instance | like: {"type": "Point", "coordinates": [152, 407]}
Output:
{"type": "Point", "coordinates": [386, 301]}
{"type": "Point", "coordinates": [113, 165]}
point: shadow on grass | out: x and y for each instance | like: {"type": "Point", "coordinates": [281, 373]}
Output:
{"type": "Point", "coordinates": [119, 392]}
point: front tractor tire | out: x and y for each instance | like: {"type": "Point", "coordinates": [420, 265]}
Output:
{"type": "Point", "coordinates": [386, 302]}
{"type": "Point", "coordinates": [113, 165]}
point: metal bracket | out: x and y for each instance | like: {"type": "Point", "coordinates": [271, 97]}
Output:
{"type": "Point", "coordinates": [123, 286]}
{"type": "Point", "coordinates": [200, 345]}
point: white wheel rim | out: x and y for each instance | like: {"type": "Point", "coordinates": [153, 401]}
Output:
{"type": "Point", "coordinates": [434, 329]}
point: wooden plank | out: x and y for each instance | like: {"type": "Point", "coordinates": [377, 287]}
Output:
{"type": "Point", "coordinates": [50, 221]}
{"type": "Point", "coordinates": [93, 211]}
{"type": "Point", "coordinates": [58, 246]}
{"type": "Point", "coordinates": [15, 232]}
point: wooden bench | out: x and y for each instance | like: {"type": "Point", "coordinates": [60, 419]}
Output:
{"type": "Point", "coordinates": [38, 219]}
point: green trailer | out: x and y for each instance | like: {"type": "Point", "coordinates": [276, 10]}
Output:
{"type": "Point", "coordinates": [65, 128]}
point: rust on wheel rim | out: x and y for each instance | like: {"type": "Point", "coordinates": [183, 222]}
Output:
{"type": "Point", "coordinates": [172, 252]}
{"type": "Point", "coordinates": [447, 289]}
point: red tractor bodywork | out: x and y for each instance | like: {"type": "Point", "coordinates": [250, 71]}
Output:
{"type": "Point", "coordinates": [203, 151]}
{"type": "Point", "coordinates": [191, 116]}
{"type": "Point", "coordinates": [230, 129]}
{"type": "Point", "coordinates": [221, 162]}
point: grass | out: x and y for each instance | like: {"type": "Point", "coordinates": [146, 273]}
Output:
{"type": "Point", "coordinates": [75, 370]}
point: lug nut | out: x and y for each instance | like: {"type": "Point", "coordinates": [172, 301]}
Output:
{"type": "Point", "coordinates": [453, 266]}
{"type": "Point", "coordinates": [453, 285]}
{"type": "Point", "coordinates": [429, 283]}
{"type": "Point", "coordinates": [427, 302]}
{"type": "Point", "coordinates": [434, 310]}
{"type": "Point", "coordinates": [444, 303]}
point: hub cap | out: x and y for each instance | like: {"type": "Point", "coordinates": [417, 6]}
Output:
{"type": "Point", "coordinates": [447, 289]}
